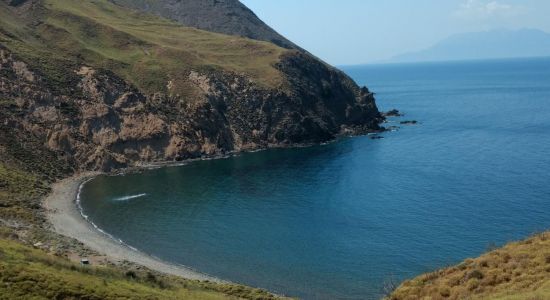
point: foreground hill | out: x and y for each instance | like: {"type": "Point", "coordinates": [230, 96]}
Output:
{"type": "Point", "coordinates": [517, 271]}
{"type": "Point", "coordinates": [28, 273]}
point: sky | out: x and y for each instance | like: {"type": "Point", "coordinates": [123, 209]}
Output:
{"type": "Point", "coordinates": [344, 32]}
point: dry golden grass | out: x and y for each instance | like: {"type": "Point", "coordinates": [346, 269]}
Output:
{"type": "Point", "coordinates": [520, 270]}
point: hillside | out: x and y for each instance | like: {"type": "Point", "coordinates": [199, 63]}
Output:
{"type": "Point", "coordinates": [95, 86]}
{"type": "Point", "coordinates": [119, 87]}
{"type": "Point", "coordinates": [484, 45]}
{"type": "Point", "coordinates": [517, 271]}
{"type": "Point", "coordinates": [226, 16]}
{"type": "Point", "coordinates": [28, 273]}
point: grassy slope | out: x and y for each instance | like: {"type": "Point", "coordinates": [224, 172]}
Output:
{"type": "Point", "coordinates": [520, 270]}
{"type": "Point", "coordinates": [146, 50]}
{"type": "Point", "coordinates": [26, 169]}
{"type": "Point", "coordinates": [27, 273]}
{"type": "Point", "coordinates": [20, 191]}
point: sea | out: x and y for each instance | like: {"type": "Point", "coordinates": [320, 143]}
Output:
{"type": "Point", "coordinates": [349, 219]}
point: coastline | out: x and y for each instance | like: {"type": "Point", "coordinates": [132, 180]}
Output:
{"type": "Point", "coordinates": [64, 214]}
{"type": "Point", "coordinates": [66, 219]}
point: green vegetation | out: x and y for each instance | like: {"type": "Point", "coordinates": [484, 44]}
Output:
{"type": "Point", "coordinates": [27, 169]}
{"type": "Point", "coordinates": [27, 273]}
{"type": "Point", "coordinates": [520, 270]}
{"type": "Point", "coordinates": [151, 52]}
{"type": "Point", "coordinates": [19, 191]}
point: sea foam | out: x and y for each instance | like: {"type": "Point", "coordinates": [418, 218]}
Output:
{"type": "Point", "coordinates": [126, 198]}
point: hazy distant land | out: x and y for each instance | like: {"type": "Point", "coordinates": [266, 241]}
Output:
{"type": "Point", "coordinates": [491, 44]}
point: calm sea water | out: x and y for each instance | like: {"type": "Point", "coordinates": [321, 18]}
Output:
{"type": "Point", "coordinates": [337, 221]}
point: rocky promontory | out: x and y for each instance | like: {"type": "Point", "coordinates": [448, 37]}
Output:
{"type": "Point", "coordinates": [96, 109]}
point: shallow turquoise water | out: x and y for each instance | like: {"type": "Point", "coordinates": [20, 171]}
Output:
{"type": "Point", "coordinates": [336, 221]}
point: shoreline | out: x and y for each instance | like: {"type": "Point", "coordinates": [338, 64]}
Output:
{"type": "Point", "coordinates": [65, 217]}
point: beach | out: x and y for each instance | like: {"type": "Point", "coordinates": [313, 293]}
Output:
{"type": "Point", "coordinates": [66, 219]}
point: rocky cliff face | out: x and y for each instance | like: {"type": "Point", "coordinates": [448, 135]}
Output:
{"type": "Point", "coordinates": [111, 124]}
{"type": "Point", "coordinates": [89, 116]}
{"type": "Point", "coordinates": [223, 16]}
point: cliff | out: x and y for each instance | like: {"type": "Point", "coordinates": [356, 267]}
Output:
{"type": "Point", "coordinates": [102, 89]}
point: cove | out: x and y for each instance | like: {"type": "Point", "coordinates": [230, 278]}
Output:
{"type": "Point", "coordinates": [337, 221]}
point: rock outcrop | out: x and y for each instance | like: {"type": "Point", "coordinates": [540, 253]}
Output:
{"type": "Point", "coordinates": [111, 124]}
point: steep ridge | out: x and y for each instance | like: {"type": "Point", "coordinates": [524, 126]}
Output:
{"type": "Point", "coordinates": [103, 89]}
{"type": "Point", "coordinates": [222, 16]}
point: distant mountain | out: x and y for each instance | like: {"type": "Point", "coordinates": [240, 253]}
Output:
{"type": "Point", "coordinates": [484, 45]}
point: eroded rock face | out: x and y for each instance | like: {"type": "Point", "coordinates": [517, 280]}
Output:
{"type": "Point", "coordinates": [106, 123]}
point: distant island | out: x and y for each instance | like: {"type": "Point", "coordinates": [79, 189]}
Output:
{"type": "Point", "coordinates": [493, 44]}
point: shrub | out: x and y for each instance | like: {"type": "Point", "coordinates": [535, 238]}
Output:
{"type": "Point", "coordinates": [473, 284]}
{"type": "Point", "coordinates": [131, 274]}
{"type": "Point", "coordinates": [484, 264]}
{"type": "Point", "coordinates": [475, 274]}
{"type": "Point", "coordinates": [445, 292]}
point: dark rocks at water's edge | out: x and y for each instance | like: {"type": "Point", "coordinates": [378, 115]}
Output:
{"type": "Point", "coordinates": [397, 113]}
{"type": "Point", "coordinates": [376, 137]}
{"type": "Point", "coordinates": [393, 113]}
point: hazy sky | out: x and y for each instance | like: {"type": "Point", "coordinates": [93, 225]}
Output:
{"type": "Point", "coordinates": [359, 31]}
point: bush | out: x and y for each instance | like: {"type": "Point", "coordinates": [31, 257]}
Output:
{"type": "Point", "coordinates": [473, 284]}
{"type": "Point", "coordinates": [445, 292]}
{"type": "Point", "coordinates": [475, 274]}
{"type": "Point", "coordinates": [131, 274]}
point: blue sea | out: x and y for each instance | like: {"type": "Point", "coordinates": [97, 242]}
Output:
{"type": "Point", "coordinates": [337, 221]}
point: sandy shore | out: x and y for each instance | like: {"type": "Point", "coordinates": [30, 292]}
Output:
{"type": "Point", "coordinates": [66, 219]}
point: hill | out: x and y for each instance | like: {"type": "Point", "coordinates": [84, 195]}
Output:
{"type": "Point", "coordinates": [97, 86]}
{"type": "Point", "coordinates": [484, 45]}
{"type": "Point", "coordinates": [227, 16]}
{"type": "Point", "coordinates": [517, 271]}
{"type": "Point", "coordinates": [120, 87]}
